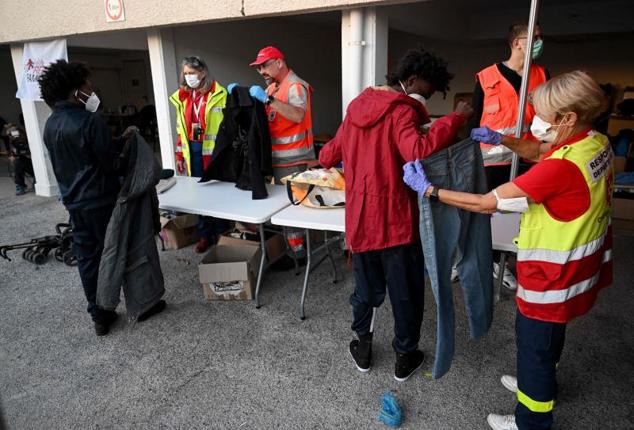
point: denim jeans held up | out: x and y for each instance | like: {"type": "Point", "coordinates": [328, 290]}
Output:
{"type": "Point", "coordinates": [449, 235]}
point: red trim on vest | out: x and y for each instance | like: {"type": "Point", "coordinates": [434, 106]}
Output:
{"type": "Point", "coordinates": [541, 276]}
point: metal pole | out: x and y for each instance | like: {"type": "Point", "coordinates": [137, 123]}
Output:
{"type": "Point", "coordinates": [532, 19]}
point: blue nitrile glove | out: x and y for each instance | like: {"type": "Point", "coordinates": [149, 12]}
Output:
{"type": "Point", "coordinates": [258, 93]}
{"type": "Point", "coordinates": [391, 413]}
{"type": "Point", "coordinates": [414, 176]}
{"type": "Point", "coordinates": [486, 135]}
{"type": "Point", "coordinates": [231, 86]}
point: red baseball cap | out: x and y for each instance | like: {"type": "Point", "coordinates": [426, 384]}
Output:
{"type": "Point", "coordinates": [266, 54]}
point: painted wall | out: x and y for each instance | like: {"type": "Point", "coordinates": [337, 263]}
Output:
{"type": "Point", "coordinates": [36, 19]}
{"type": "Point", "coordinates": [312, 50]}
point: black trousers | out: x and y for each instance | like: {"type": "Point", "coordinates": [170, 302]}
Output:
{"type": "Point", "coordinates": [89, 232]}
{"type": "Point", "coordinates": [400, 270]}
{"type": "Point", "coordinates": [21, 166]}
{"type": "Point", "coordinates": [539, 348]}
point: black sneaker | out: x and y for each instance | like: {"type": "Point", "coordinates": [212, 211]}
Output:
{"type": "Point", "coordinates": [407, 364]}
{"type": "Point", "coordinates": [102, 325]}
{"type": "Point", "coordinates": [157, 308]}
{"type": "Point", "coordinates": [361, 352]}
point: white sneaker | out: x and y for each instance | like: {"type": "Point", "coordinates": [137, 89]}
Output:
{"type": "Point", "coordinates": [502, 422]}
{"type": "Point", "coordinates": [508, 279]}
{"type": "Point", "coordinates": [509, 382]}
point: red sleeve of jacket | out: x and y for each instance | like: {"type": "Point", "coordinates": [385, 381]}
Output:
{"type": "Point", "coordinates": [330, 154]}
{"type": "Point", "coordinates": [413, 144]}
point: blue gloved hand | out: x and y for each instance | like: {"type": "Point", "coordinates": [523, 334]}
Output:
{"type": "Point", "coordinates": [486, 135]}
{"type": "Point", "coordinates": [258, 93]}
{"type": "Point", "coordinates": [231, 86]}
{"type": "Point", "coordinates": [414, 176]}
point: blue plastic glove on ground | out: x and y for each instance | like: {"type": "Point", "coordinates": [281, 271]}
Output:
{"type": "Point", "coordinates": [414, 176]}
{"type": "Point", "coordinates": [391, 413]}
{"type": "Point", "coordinates": [231, 86]}
{"type": "Point", "coordinates": [486, 135]}
{"type": "Point", "coordinates": [258, 93]}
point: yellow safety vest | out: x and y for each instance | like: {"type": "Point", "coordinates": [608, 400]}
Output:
{"type": "Point", "coordinates": [216, 101]}
{"type": "Point", "coordinates": [562, 265]}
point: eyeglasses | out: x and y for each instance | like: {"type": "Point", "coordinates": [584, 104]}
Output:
{"type": "Point", "coordinates": [266, 64]}
{"type": "Point", "coordinates": [536, 37]}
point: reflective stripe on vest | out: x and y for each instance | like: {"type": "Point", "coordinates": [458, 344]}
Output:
{"type": "Point", "coordinates": [291, 142]}
{"type": "Point", "coordinates": [216, 101]}
{"type": "Point", "coordinates": [500, 109]}
{"type": "Point", "coordinates": [562, 257]}
{"type": "Point", "coordinates": [549, 247]}
{"type": "Point", "coordinates": [561, 296]}
{"type": "Point", "coordinates": [535, 405]}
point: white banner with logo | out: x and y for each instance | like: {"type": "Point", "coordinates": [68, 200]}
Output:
{"type": "Point", "coordinates": [36, 56]}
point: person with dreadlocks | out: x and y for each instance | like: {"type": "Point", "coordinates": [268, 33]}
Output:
{"type": "Point", "coordinates": [381, 130]}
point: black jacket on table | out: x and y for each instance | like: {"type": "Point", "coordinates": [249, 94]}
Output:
{"type": "Point", "coordinates": [242, 153]}
{"type": "Point", "coordinates": [83, 156]}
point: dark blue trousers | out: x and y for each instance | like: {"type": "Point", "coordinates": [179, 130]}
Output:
{"type": "Point", "coordinates": [89, 232]}
{"type": "Point", "coordinates": [539, 348]}
{"type": "Point", "coordinates": [400, 270]}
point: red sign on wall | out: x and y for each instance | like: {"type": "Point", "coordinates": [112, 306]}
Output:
{"type": "Point", "coordinates": [114, 10]}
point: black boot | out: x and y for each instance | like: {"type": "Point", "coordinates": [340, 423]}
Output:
{"type": "Point", "coordinates": [361, 352]}
{"type": "Point", "coordinates": [407, 364]}
{"type": "Point", "coordinates": [157, 308]}
{"type": "Point", "coordinates": [103, 322]}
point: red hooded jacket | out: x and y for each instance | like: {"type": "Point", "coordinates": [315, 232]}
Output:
{"type": "Point", "coordinates": [380, 133]}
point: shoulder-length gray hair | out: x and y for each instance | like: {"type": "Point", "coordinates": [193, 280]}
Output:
{"type": "Point", "coordinates": [197, 63]}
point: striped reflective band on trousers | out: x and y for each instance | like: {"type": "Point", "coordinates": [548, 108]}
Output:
{"type": "Point", "coordinates": [561, 296]}
{"type": "Point", "coordinates": [534, 405]}
{"type": "Point", "coordinates": [291, 139]}
{"type": "Point", "coordinates": [562, 257]}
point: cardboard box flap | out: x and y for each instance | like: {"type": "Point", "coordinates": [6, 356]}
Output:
{"type": "Point", "coordinates": [229, 263]}
{"type": "Point", "coordinates": [180, 222]}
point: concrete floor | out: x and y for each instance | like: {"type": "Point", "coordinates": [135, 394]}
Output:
{"type": "Point", "coordinates": [227, 365]}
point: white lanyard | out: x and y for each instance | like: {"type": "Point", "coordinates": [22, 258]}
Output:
{"type": "Point", "coordinates": [197, 107]}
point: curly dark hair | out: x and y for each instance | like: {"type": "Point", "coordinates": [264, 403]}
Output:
{"type": "Point", "coordinates": [59, 79]}
{"type": "Point", "coordinates": [423, 65]}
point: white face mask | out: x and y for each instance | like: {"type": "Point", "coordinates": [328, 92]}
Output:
{"type": "Point", "coordinates": [92, 103]}
{"type": "Point", "coordinates": [415, 96]}
{"type": "Point", "coordinates": [543, 130]}
{"type": "Point", "coordinates": [192, 81]}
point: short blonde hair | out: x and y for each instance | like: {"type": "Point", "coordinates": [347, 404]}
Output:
{"type": "Point", "coordinates": [571, 92]}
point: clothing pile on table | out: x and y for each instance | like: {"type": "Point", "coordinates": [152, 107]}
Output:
{"type": "Point", "coordinates": [242, 153]}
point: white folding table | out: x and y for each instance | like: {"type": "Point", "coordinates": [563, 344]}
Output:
{"type": "Point", "coordinates": [313, 219]}
{"type": "Point", "coordinates": [224, 200]}
{"type": "Point", "coordinates": [504, 229]}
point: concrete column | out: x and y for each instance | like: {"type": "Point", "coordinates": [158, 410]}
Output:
{"type": "Point", "coordinates": [375, 34]}
{"type": "Point", "coordinates": [35, 115]}
{"type": "Point", "coordinates": [165, 80]}
{"type": "Point", "coordinates": [364, 37]}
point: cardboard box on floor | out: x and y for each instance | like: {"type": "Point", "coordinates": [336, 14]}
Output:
{"type": "Point", "coordinates": [623, 214]}
{"type": "Point", "coordinates": [179, 231]}
{"type": "Point", "coordinates": [275, 246]}
{"type": "Point", "coordinates": [229, 272]}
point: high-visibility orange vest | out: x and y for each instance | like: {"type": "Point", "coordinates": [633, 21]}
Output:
{"type": "Point", "coordinates": [291, 142]}
{"type": "Point", "coordinates": [500, 110]}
